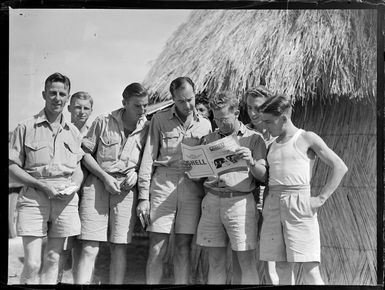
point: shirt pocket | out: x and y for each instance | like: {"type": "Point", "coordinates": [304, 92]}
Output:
{"type": "Point", "coordinates": [170, 141]}
{"type": "Point", "coordinates": [37, 153]}
{"type": "Point", "coordinates": [193, 139]}
{"type": "Point", "coordinates": [71, 154]}
{"type": "Point", "coordinates": [108, 148]}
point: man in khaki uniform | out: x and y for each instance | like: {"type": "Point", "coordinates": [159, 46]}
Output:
{"type": "Point", "coordinates": [113, 147]}
{"type": "Point", "coordinates": [228, 208]}
{"type": "Point", "coordinates": [165, 191]}
{"type": "Point", "coordinates": [80, 108]}
{"type": "Point", "coordinates": [44, 156]}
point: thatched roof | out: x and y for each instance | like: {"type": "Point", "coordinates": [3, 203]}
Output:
{"type": "Point", "coordinates": [305, 53]}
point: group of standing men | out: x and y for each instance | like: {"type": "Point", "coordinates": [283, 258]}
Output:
{"type": "Point", "coordinates": [126, 166]}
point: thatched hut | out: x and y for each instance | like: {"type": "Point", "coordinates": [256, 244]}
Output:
{"type": "Point", "coordinates": [326, 59]}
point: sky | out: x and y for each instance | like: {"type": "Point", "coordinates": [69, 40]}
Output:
{"type": "Point", "coordinates": [101, 51]}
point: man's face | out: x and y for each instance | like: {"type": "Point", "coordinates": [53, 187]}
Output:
{"type": "Point", "coordinates": [136, 107]}
{"type": "Point", "coordinates": [225, 119]}
{"type": "Point", "coordinates": [203, 110]}
{"type": "Point", "coordinates": [184, 99]}
{"type": "Point", "coordinates": [253, 105]}
{"type": "Point", "coordinates": [273, 124]}
{"type": "Point", "coordinates": [56, 95]}
{"type": "Point", "coordinates": [80, 110]}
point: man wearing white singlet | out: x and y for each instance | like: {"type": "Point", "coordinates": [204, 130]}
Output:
{"type": "Point", "coordinates": [290, 230]}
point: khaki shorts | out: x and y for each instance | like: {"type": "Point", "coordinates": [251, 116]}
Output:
{"type": "Point", "coordinates": [225, 219]}
{"type": "Point", "coordinates": [39, 216]}
{"type": "Point", "coordinates": [290, 230]}
{"type": "Point", "coordinates": [104, 216]}
{"type": "Point", "coordinates": [175, 203]}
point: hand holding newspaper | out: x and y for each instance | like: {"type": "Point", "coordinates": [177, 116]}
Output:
{"type": "Point", "coordinates": [214, 158]}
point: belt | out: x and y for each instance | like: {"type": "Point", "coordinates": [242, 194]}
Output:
{"type": "Point", "coordinates": [228, 194]}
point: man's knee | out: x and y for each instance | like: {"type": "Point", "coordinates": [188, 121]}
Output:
{"type": "Point", "coordinates": [90, 249]}
{"type": "Point", "coordinates": [283, 266]}
{"type": "Point", "coordinates": [182, 245]}
{"type": "Point", "coordinates": [157, 246]}
{"type": "Point", "coordinates": [310, 266]}
{"type": "Point", "coordinates": [32, 265]}
{"type": "Point", "coordinates": [52, 257]}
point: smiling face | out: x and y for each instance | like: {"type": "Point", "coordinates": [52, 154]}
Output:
{"type": "Point", "coordinates": [273, 124]}
{"type": "Point", "coordinates": [56, 95]}
{"type": "Point", "coordinates": [253, 105]}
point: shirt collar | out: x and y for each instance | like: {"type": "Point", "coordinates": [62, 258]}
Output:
{"type": "Point", "coordinates": [42, 117]}
{"type": "Point", "coordinates": [241, 131]}
{"type": "Point", "coordinates": [173, 114]}
{"type": "Point", "coordinates": [118, 116]}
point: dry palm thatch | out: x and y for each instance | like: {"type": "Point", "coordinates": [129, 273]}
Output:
{"type": "Point", "coordinates": [326, 60]}
{"type": "Point", "coordinates": [307, 53]}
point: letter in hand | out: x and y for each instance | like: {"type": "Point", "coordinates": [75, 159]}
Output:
{"type": "Point", "coordinates": [111, 184]}
{"type": "Point", "coordinates": [51, 191]}
{"type": "Point", "coordinates": [184, 165]}
{"type": "Point", "coordinates": [130, 181]}
{"type": "Point", "coordinates": [143, 212]}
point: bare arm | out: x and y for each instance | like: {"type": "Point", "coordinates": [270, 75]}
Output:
{"type": "Point", "coordinates": [26, 179]}
{"type": "Point", "coordinates": [110, 183]}
{"type": "Point", "coordinates": [331, 159]}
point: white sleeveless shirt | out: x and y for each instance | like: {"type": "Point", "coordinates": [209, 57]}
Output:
{"type": "Point", "coordinates": [287, 165]}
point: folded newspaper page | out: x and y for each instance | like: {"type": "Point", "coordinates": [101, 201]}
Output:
{"type": "Point", "coordinates": [214, 158]}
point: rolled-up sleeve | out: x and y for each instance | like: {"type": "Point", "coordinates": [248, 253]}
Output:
{"type": "Point", "coordinates": [16, 146]}
{"type": "Point", "coordinates": [150, 153]}
{"type": "Point", "coordinates": [90, 140]}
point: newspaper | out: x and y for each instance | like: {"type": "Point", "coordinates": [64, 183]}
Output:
{"type": "Point", "coordinates": [214, 158]}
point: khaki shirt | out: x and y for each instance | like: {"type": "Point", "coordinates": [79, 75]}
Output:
{"type": "Point", "coordinates": [114, 152]}
{"type": "Point", "coordinates": [241, 180]}
{"type": "Point", "coordinates": [84, 130]}
{"type": "Point", "coordinates": [36, 149]}
{"type": "Point", "coordinates": [163, 145]}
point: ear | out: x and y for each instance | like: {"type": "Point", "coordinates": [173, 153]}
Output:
{"type": "Point", "coordinates": [284, 118]}
{"type": "Point", "coordinates": [43, 94]}
{"type": "Point", "coordinates": [124, 102]}
{"type": "Point", "coordinates": [68, 108]}
{"type": "Point", "coordinates": [236, 113]}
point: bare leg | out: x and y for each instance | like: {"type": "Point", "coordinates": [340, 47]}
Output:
{"type": "Point", "coordinates": [285, 273]}
{"type": "Point", "coordinates": [237, 272]}
{"type": "Point", "coordinates": [272, 272]}
{"type": "Point", "coordinates": [312, 275]}
{"type": "Point", "coordinates": [217, 265]}
{"type": "Point", "coordinates": [157, 250]}
{"type": "Point", "coordinates": [182, 261]}
{"type": "Point", "coordinates": [32, 260]}
{"type": "Point", "coordinates": [52, 254]}
{"type": "Point", "coordinates": [62, 263]}
{"type": "Point", "coordinates": [86, 265]}
{"type": "Point", "coordinates": [118, 263]}
{"type": "Point", "coordinates": [248, 267]}
{"type": "Point", "coordinates": [76, 254]}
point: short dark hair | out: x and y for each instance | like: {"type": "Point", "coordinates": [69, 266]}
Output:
{"type": "Point", "coordinates": [179, 82]}
{"type": "Point", "coordinates": [58, 77]}
{"type": "Point", "coordinates": [277, 105]}
{"type": "Point", "coordinates": [258, 92]}
{"type": "Point", "coordinates": [81, 96]}
{"type": "Point", "coordinates": [134, 90]}
{"type": "Point", "coordinates": [222, 99]}
{"type": "Point", "coordinates": [202, 99]}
